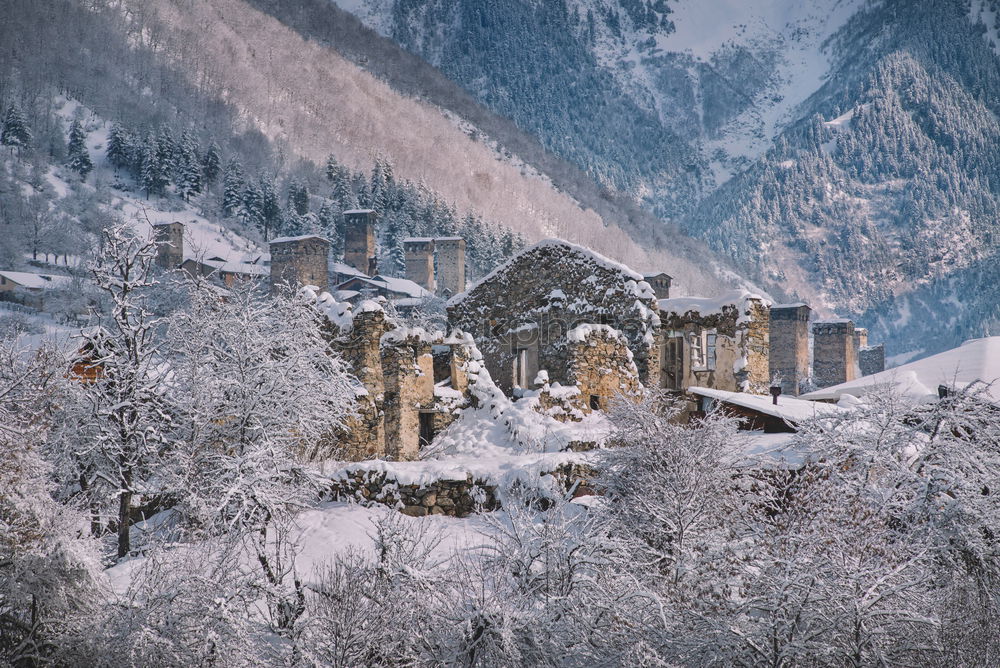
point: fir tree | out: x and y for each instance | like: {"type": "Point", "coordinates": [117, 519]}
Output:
{"type": "Point", "coordinates": [270, 208]}
{"type": "Point", "coordinates": [78, 156]}
{"type": "Point", "coordinates": [332, 169]}
{"type": "Point", "coordinates": [153, 175]}
{"type": "Point", "coordinates": [15, 132]}
{"type": "Point", "coordinates": [232, 188]}
{"type": "Point", "coordinates": [118, 153]}
{"type": "Point", "coordinates": [211, 164]}
{"type": "Point", "coordinates": [298, 198]}
{"type": "Point", "coordinates": [189, 178]}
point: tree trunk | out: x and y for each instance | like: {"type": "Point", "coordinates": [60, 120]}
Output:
{"type": "Point", "coordinates": [124, 505]}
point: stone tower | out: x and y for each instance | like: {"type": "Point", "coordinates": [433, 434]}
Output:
{"type": "Point", "coordinates": [834, 359]}
{"type": "Point", "coordinates": [170, 248]}
{"type": "Point", "coordinates": [300, 261]}
{"type": "Point", "coordinates": [359, 239]}
{"type": "Point", "coordinates": [788, 354]}
{"type": "Point", "coordinates": [660, 283]}
{"type": "Point", "coordinates": [420, 261]}
{"type": "Point", "coordinates": [450, 265]}
{"type": "Point", "coordinates": [860, 340]}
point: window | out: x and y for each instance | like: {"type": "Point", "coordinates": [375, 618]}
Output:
{"type": "Point", "coordinates": [673, 363]}
{"type": "Point", "coordinates": [426, 429]}
{"type": "Point", "coordinates": [595, 402]}
{"type": "Point", "coordinates": [703, 344]}
{"type": "Point", "coordinates": [521, 367]}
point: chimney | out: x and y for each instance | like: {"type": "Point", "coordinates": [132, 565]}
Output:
{"type": "Point", "coordinates": [359, 239]}
{"type": "Point", "coordinates": [788, 348]}
{"type": "Point", "coordinates": [834, 361]}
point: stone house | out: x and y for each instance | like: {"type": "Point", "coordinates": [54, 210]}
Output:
{"type": "Point", "coordinates": [559, 308]}
{"type": "Point", "coordinates": [719, 343]}
{"type": "Point", "coordinates": [30, 289]}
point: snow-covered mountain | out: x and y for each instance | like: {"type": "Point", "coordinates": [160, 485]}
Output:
{"type": "Point", "coordinates": [838, 150]}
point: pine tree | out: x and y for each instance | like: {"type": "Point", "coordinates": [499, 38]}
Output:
{"type": "Point", "coordinates": [332, 169]}
{"type": "Point", "coordinates": [270, 208]}
{"type": "Point", "coordinates": [189, 178]}
{"type": "Point", "coordinates": [118, 147]}
{"type": "Point", "coordinates": [78, 156]}
{"type": "Point", "coordinates": [298, 198]}
{"type": "Point", "coordinates": [343, 194]}
{"type": "Point", "coordinates": [153, 175]}
{"type": "Point", "coordinates": [232, 188]}
{"type": "Point", "coordinates": [15, 132]}
{"type": "Point", "coordinates": [211, 164]}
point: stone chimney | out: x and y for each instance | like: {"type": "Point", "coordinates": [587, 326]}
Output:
{"type": "Point", "coordinates": [359, 239]}
{"type": "Point", "coordinates": [300, 261]}
{"type": "Point", "coordinates": [170, 244]}
{"type": "Point", "coordinates": [450, 265]}
{"type": "Point", "coordinates": [834, 359]}
{"type": "Point", "coordinates": [788, 348]}
{"type": "Point", "coordinates": [419, 255]}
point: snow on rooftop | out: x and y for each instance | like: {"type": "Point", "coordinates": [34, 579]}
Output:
{"type": "Point", "coordinates": [422, 240]}
{"type": "Point", "coordinates": [343, 268]}
{"type": "Point", "coordinates": [398, 285]}
{"type": "Point", "coordinates": [283, 240]}
{"type": "Point", "coordinates": [788, 408]}
{"type": "Point", "coordinates": [975, 360]}
{"type": "Point", "coordinates": [352, 211]}
{"type": "Point", "coordinates": [707, 305]}
{"type": "Point", "coordinates": [237, 267]}
{"type": "Point", "coordinates": [36, 281]}
{"type": "Point", "coordinates": [592, 255]}
{"type": "Point", "coordinates": [792, 305]}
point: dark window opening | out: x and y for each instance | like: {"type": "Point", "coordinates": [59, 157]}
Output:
{"type": "Point", "coordinates": [426, 429]}
{"type": "Point", "coordinates": [595, 402]}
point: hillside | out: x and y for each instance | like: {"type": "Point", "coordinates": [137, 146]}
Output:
{"type": "Point", "coordinates": [840, 152]}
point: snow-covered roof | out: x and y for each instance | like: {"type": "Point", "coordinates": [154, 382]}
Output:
{"type": "Point", "coordinates": [707, 305]}
{"type": "Point", "coordinates": [350, 211]}
{"type": "Point", "coordinates": [974, 360]}
{"type": "Point", "coordinates": [788, 408]}
{"type": "Point", "coordinates": [392, 284]}
{"type": "Point", "coordinates": [237, 267]}
{"type": "Point", "coordinates": [282, 240]}
{"type": "Point", "coordinates": [36, 281]}
{"type": "Point", "coordinates": [594, 256]}
{"type": "Point", "coordinates": [343, 268]}
{"type": "Point", "coordinates": [422, 240]}
{"type": "Point", "coordinates": [791, 305]}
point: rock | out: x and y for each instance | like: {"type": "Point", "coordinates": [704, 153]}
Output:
{"type": "Point", "coordinates": [436, 510]}
{"type": "Point", "coordinates": [414, 511]}
{"type": "Point", "coordinates": [430, 499]}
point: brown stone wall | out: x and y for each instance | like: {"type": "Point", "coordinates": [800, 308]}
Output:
{"type": "Point", "coordinates": [419, 256]}
{"type": "Point", "coordinates": [300, 261]}
{"type": "Point", "coordinates": [364, 437]}
{"type": "Point", "coordinates": [170, 248]}
{"type": "Point", "coordinates": [789, 346]}
{"type": "Point", "coordinates": [450, 265]}
{"type": "Point", "coordinates": [408, 367]}
{"type": "Point", "coordinates": [871, 359]}
{"type": "Point", "coordinates": [359, 238]}
{"type": "Point", "coordinates": [833, 353]}
{"type": "Point", "coordinates": [602, 368]}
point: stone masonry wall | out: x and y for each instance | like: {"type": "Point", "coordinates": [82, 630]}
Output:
{"type": "Point", "coordinates": [455, 498]}
{"type": "Point", "coordinates": [789, 346]}
{"type": "Point", "coordinates": [544, 292]}
{"type": "Point", "coordinates": [601, 366]}
{"type": "Point", "coordinates": [833, 353]}
{"type": "Point", "coordinates": [300, 261]}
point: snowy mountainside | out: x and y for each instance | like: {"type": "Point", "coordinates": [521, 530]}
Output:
{"type": "Point", "coordinates": [840, 152]}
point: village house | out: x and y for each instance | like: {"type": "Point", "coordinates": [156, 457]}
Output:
{"type": "Point", "coordinates": [720, 343]}
{"type": "Point", "coordinates": [569, 312]}
{"type": "Point", "coordinates": [30, 289]}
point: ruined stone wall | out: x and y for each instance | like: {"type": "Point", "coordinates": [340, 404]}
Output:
{"type": "Point", "coordinates": [789, 346]}
{"type": "Point", "coordinates": [359, 239]}
{"type": "Point", "coordinates": [300, 261]}
{"type": "Point", "coordinates": [741, 346]}
{"type": "Point", "coordinates": [408, 367]}
{"type": "Point", "coordinates": [450, 265]}
{"type": "Point", "coordinates": [543, 293]}
{"type": "Point", "coordinates": [833, 353]}
{"type": "Point", "coordinates": [601, 367]}
{"type": "Point", "coordinates": [419, 256]}
{"type": "Point", "coordinates": [364, 435]}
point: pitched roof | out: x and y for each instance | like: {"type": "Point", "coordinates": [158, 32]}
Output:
{"type": "Point", "coordinates": [974, 360]}
{"type": "Point", "coordinates": [789, 408]}
{"type": "Point", "coordinates": [392, 284]}
{"type": "Point", "coordinates": [282, 240]}
{"type": "Point", "coordinates": [707, 305]}
{"type": "Point", "coordinates": [36, 281]}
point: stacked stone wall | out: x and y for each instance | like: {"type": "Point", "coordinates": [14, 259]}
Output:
{"type": "Point", "coordinates": [300, 261]}
{"type": "Point", "coordinates": [871, 359]}
{"type": "Point", "coordinates": [788, 348]}
{"type": "Point", "coordinates": [833, 353]}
